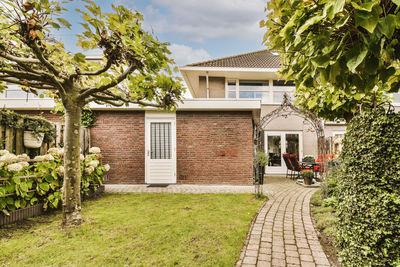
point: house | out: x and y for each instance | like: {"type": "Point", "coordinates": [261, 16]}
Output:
{"type": "Point", "coordinates": [209, 139]}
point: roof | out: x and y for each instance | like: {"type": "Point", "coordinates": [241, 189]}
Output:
{"type": "Point", "coordinates": [257, 59]}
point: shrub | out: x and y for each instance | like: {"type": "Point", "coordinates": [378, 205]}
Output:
{"type": "Point", "coordinates": [261, 158]}
{"type": "Point", "coordinates": [368, 197]}
{"type": "Point", "coordinates": [42, 181]}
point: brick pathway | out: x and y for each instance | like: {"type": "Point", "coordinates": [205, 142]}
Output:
{"type": "Point", "coordinates": [283, 233]}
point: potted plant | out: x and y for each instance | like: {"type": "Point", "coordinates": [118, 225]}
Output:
{"type": "Point", "coordinates": [308, 158]}
{"type": "Point", "coordinates": [34, 132]}
{"type": "Point", "coordinates": [307, 176]}
{"type": "Point", "coordinates": [261, 162]}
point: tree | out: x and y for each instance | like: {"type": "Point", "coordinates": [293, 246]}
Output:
{"type": "Point", "coordinates": [135, 69]}
{"type": "Point", "coordinates": [343, 55]}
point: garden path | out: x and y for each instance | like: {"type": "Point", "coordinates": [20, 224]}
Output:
{"type": "Point", "coordinates": [283, 233]}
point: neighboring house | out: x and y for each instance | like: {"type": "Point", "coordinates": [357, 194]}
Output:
{"type": "Point", "coordinates": [209, 139]}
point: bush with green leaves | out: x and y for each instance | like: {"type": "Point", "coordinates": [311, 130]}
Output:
{"type": "Point", "coordinates": [369, 192]}
{"type": "Point", "coordinates": [34, 124]}
{"type": "Point", "coordinates": [261, 158]}
{"type": "Point", "coordinates": [42, 181]}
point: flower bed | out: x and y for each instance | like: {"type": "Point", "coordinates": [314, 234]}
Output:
{"type": "Point", "coordinates": [25, 182]}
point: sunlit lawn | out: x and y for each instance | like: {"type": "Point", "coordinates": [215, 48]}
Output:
{"type": "Point", "coordinates": [137, 230]}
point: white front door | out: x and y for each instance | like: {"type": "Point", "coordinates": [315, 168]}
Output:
{"type": "Point", "coordinates": [279, 143]}
{"type": "Point", "coordinates": [160, 151]}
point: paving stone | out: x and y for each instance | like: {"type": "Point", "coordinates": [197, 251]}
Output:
{"type": "Point", "coordinates": [293, 260]}
{"type": "Point", "coordinates": [306, 258]}
{"type": "Point", "coordinates": [283, 233]}
{"type": "Point", "coordinates": [249, 260]}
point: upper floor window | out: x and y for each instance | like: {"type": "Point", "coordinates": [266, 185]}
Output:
{"type": "Point", "coordinates": [269, 91]}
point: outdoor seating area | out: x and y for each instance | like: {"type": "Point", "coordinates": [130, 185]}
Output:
{"type": "Point", "coordinates": [295, 167]}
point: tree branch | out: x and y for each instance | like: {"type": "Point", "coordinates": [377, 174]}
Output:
{"type": "Point", "coordinates": [27, 84]}
{"type": "Point", "coordinates": [24, 75]}
{"type": "Point", "coordinates": [36, 50]}
{"type": "Point", "coordinates": [19, 59]}
{"type": "Point", "coordinates": [117, 81]}
{"type": "Point", "coordinates": [106, 67]}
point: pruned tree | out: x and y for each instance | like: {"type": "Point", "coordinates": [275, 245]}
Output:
{"type": "Point", "coordinates": [135, 68]}
{"type": "Point", "coordinates": [342, 55]}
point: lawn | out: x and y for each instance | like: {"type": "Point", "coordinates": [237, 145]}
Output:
{"type": "Point", "coordinates": [139, 230]}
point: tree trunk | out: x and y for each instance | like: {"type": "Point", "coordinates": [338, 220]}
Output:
{"type": "Point", "coordinates": [72, 175]}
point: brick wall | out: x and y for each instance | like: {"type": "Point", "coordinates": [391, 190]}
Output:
{"type": "Point", "coordinates": [214, 147]}
{"type": "Point", "coordinates": [120, 135]}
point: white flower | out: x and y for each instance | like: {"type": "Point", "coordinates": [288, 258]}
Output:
{"type": "Point", "coordinates": [89, 170]}
{"type": "Point", "coordinates": [9, 158]}
{"type": "Point", "coordinates": [81, 157]}
{"type": "Point", "coordinates": [53, 150]}
{"type": "Point", "coordinates": [48, 157]}
{"type": "Point", "coordinates": [94, 163]}
{"type": "Point", "coordinates": [60, 170]}
{"type": "Point", "coordinates": [16, 167]}
{"type": "Point", "coordinates": [107, 167]}
{"type": "Point", "coordinates": [39, 158]}
{"type": "Point", "coordinates": [94, 150]}
{"type": "Point", "coordinates": [24, 164]}
{"type": "Point", "coordinates": [23, 157]}
{"type": "Point", "coordinates": [4, 152]}
{"type": "Point", "coordinates": [60, 153]}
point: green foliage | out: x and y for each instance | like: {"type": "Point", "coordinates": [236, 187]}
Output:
{"type": "Point", "coordinates": [308, 158]}
{"type": "Point", "coordinates": [369, 195]}
{"type": "Point", "coordinates": [342, 55]}
{"type": "Point", "coordinates": [34, 124]}
{"type": "Point", "coordinates": [88, 118]}
{"type": "Point", "coordinates": [307, 174]}
{"type": "Point", "coordinates": [261, 158]}
{"type": "Point", "coordinates": [45, 187]}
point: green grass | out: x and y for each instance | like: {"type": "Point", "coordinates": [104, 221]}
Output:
{"type": "Point", "coordinates": [137, 230]}
{"type": "Point", "coordinates": [324, 217]}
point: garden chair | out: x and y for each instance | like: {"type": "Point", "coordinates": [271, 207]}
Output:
{"type": "Point", "coordinates": [321, 161]}
{"type": "Point", "coordinates": [289, 166]}
{"type": "Point", "coordinates": [296, 165]}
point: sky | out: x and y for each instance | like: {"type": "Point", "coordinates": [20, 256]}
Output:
{"type": "Point", "coordinates": [197, 30]}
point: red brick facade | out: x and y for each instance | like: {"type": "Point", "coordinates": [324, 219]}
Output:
{"type": "Point", "coordinates": [120, 135]}
{"type": "Point", "coordinates": [212, 147]}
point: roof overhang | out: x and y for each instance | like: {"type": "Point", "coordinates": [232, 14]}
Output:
{"type": "Point", "coordinates": [191, 74]}
{"type": "Point", "coordinates": [221, 104]}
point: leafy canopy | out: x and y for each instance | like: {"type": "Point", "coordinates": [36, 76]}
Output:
{"type": "Point", "coordinates": [341, 54]}
{"type": "Point", "coordinates": [134, 68]}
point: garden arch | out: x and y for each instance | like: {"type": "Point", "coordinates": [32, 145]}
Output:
{"type": "Point", "coordinates": [284, 110]}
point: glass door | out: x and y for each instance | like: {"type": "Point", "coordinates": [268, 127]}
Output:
{"type": "Point", "coordinates": [279, 143]}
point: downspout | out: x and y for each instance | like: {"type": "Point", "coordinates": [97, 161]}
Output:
{"type": "Point", "coordinates": [207, 85]}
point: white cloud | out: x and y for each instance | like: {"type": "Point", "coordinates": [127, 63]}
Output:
{"type": "Point", "coordinates": [183, 54]}
{"type": "Point", "coordinates": [199, 20]}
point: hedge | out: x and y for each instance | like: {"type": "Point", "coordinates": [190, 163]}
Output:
{"type": "Point", "coordinates": [368, 197]}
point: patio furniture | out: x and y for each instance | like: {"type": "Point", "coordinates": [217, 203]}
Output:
{"type": "Point", "coordinates": [289, 166]}
{"type": "Point", "coordinates": [297, 167]}
{"type": "Point", "coordinates": [319, 165]}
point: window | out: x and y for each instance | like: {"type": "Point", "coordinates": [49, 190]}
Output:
{"type": "Point", "coordinates": [279, 88]}
{"type": "Point", "coordinates": [160, 140]}
{"type": "Point", "coordinates": [258, 89]}
{"type": "Point", "coordinates": [231, 89]}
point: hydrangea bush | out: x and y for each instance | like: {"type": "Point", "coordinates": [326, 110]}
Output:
{"type": "Point", "coordinates": [42, 180]}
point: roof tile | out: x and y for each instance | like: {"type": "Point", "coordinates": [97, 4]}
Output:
{"type": "Point", "coordinates": [257, 59]}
